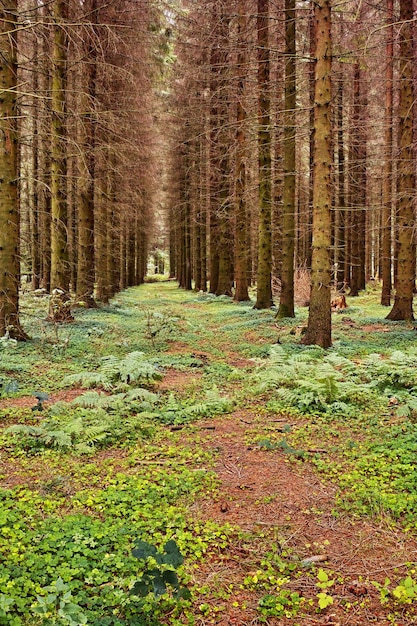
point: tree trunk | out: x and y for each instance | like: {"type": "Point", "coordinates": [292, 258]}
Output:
{"type": "Point", "coordinates": [286, 303]}
{"type": "Point", "coordinates": [319, 319]}
{"type": "Point", "coordinates": [102, 226]}
{"type": "Point", "coordinates": [9, 216]}
{"type": "Point", "coordinates": [59, 310]}
{"type": "Point", "coordinates": [387, 180]}
{"type": "Point", "coordinates": [241, 213]}
{"type": "Point", "coordinates": [85, 266]}
{"type": "Point", "coordinates": [221, 237]}
{"type": "Point", "coordinates": [403, 303]}
{"type": "Point", "coordinates": [357, 182]}
{"type": "Point", "coordinates": [312, 73]}
{"type": "Point", "coordinates": [340, 252]}
{"type": "Point", "coordinates": [35, 213]}
{"type": "Point", "coordinates": [264, 290]}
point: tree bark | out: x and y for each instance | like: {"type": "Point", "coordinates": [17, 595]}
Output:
{"type": "Point", "coordinates": [403, 303]}
{"type": "Point", "coordinates": [86, 163]}
{"type": "Point", "coordinates": [286, 303]}
{"type": "Point", "coordinates": [319, 319]}
{"type": "Point", "coordinates": [9, 215]}
{"type": "Point", "coordinates": [357, 182]}
{"type": "Point", "coordinates": [264, 290]}
{"type": "Point", "coordinates": [241, 213]}
{"type": "Point", "coordinates": [386, 239]}
{"type": "Point", "coordinates": [340, 242]}
{"type": "Point", "coordinates": [59, 310]}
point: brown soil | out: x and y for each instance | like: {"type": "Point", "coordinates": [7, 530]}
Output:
{"type": "Point", "coordinates": [375, 328]}
{"type": "Point", "coordinates": [175, 381]}
{"type": "Point", "coordinates": [30, 401]}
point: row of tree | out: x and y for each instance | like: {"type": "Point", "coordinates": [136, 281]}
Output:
{"type": "Point", "coordinates": [293, 147]}
{"type": "Point", "coordinates": [291, 144]}
{"type": "Point", "coordinates": [78, 80]}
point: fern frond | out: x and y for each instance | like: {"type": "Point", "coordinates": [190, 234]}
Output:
{"type": "Point", "coordinates": [340, 363]}
{"type": "Point", "coordinates": [372, 359]}
{"type": "Point", "coordinates": [302, 357]}
{"type": "Point", "coordinates": [87, 380]}
{"type": "Point", "coordinates": [57, 438]}
{"type": "Point", "coordinates": [74, 426]}
{"type": "Point", "coordinates": [95, 433]}
{"type": "Point", "coordinates": [400, 358]}
{"type": "Point", "coordinates": [91, 400]}
{"type": "Point", "coordinates": [142, 394]}
{"type": "Point", "coordinates": [84, 448]}
{"type": "Point", "coordinates": [31, 431]}
{"type": "Point", "coordinates": [109, 365]}
{"type": "Point", "coordinates": [277, 355]}
{"type": "Point", "coordinates": [134, 368]}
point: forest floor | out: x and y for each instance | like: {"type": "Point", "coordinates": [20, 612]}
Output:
{"type": "Point", "coordinates": [285, 474]}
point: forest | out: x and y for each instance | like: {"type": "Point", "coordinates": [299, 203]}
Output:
{"type": "Point", "coordinates": [208, 359]}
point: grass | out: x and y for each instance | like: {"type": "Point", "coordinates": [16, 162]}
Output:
{"type": "Point", "coordinates": [85, 479]}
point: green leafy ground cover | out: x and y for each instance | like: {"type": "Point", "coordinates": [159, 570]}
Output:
{"type": "Point", "coordinates": [117, 464]}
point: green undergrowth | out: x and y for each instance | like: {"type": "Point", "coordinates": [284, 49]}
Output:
{"type": "Point", "coordinates": [86, 540]}
{"type": "Point", "coordinates": [363, 412]}
{"type": "Point", "coordinates": [108, 469]}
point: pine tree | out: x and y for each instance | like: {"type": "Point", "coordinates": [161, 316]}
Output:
{"type": "Point", "coordinates": [60, 269]}
{"type": "Point", "coordinates": [9, 216]}
{"type": "Point", "coordinates": [286, 303]}
{"type": "Point", "coordinates": [319, 319]}
{"type": "Point", "coordinates": [264, 289]}
{"type": "Point", "coordinates": [403, 303]}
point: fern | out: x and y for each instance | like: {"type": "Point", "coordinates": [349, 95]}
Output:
{"type": "Point", "coordinates": [395, 373]}
{"type": "Point", "coordinates": [114, 372]}
{"type": "Point", "coordinates": [341, 363]}
{"type": "Point", "coordinates": [90, 400]}
{"type": "Point", "coordinates": [175, 413]}
{"type": "Point", "coordinates": [277, 355]}
{"type": "Point", "coordinates": [42, 435]}
{"type": "Point", "coordinates": [132, 368]}
{"type": "Point", "coordinates": [214, 404]}
{"type": "Point", "coordinates": [408, 409]}
{"type": "Point", "coordinates": [312, 381]}
{"type": "Point", "coordinates": [87, 380]}
{"type": "Point", "coordinates": [142, 394]}
{"type": "Point", "coordinates": [135, 399]}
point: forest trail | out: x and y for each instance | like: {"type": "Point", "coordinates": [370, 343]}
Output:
{"type": "Point", "coordinates": [285, 508]}
{"type": "Point", "coordinates": [261, 498]}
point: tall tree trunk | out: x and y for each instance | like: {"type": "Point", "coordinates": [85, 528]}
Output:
{"type": "Point", "coordinates": [386, 238]}
{"type": "Point", "coordinates": [44, 157]}
{"type": "Point", "coordinates": [60, 274]}
{"type": "Point", "coordinates": [217, 65]}
{"type": "Point", "coordinates": [221, 236]}
{"type": "Point", "coordinates": [319, 319]}
{"type": "Point", "coordinates": [264, 290]}
{"type": "Point", "coordinates": [286, 303]}
{"type": "Point", "coordinates": [102, 226]}
{"type": "Point", "coordinates": [241, 213]}
{"type": "Point", "coordinates": [173, 232]}
{"type": "Point", "coordinates": [34, 218]}
{"type": "Point", "coordinates": [357, 191]}
{"type": "Point", "coordinates": [340, 252]}
{"type": "Point", "coordinates": [86, 266]}
{"type": "Point", "coordinates": [403, 303]}
{"type": "Point", "coordinates": [9, 215]}
{"type": "Point", "coordinates": [204, 201]}
{"type": "Point", "coordinates": [312, 73]}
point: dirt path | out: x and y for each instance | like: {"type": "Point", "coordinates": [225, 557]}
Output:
{"type": "Point", "coordinates": [284, 507]}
